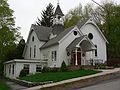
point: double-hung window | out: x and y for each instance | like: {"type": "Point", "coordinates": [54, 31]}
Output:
{"type": "Point", "coordinates": [38, 68]}
{"type": "Point", "coordinates": [54, 55]}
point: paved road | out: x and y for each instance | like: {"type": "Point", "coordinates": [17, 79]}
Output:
{"type": "Point", "coordinates": [14, 86]}
{"type": "Point", "coordinates": [113, 84]}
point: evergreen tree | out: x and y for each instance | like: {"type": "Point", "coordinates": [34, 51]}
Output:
{"type": "Point", "coordinates": [8, 32]}
{"type": "Point", "coordinates": [46, 18]}
{"type": "Point", "coordinates": [63, 67]}
{"type": "Point", "coordinates": [20, 49]}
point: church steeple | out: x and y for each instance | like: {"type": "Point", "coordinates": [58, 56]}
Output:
{"type": "Point", "coordinates": [58, 16]}
{"type": "Point", "coordinates": [58, 21]}
{"type": "Point", "coordinates": [58, 11]}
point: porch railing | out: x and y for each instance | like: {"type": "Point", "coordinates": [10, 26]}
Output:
{"type": "Point", "coordinates": [94, 61]}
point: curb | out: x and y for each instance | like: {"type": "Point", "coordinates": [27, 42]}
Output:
{"type": "Point", "coordinates": [80, 81]}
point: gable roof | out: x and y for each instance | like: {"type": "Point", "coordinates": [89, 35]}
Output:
{"type": "Point", "coordinates": [81, 23]}
{"type": "Point", "coordinates": [94, 24]}
{"type": "Point", "coordinates": [55, 40]}
{"type": "Point", "coordinates": [90, 21]}
{"type": "Point", "coordinates": [75, 42]}
{"type": "Point", "coordinates": [42, 32]}
{"type": "Point", "coordinates": [58, 11]}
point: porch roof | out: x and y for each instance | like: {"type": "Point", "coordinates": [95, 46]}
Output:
{"type": "Point", "coordinates": [25, 61]}
{"type": "Point", "coordinates": [74, 43]}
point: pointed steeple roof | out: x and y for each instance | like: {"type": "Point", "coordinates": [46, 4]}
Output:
{"type": "Point", "coordinates": [58, 11]}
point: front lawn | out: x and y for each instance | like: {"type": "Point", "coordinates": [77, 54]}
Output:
{"type": "Point", "coordinates": [3, 86]}
{"type": "Point", "coordinates": [57, 76]}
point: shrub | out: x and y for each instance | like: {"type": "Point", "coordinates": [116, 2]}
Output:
{"type": "Point", "coordinates": [116, 65]}
{"type": "Point", "coordinates": [113, 61]}
{"type": "Point", "coordinates": [45, 69]}
{"type": "Point", "coordinates": [55, 69]}
{"type": "Point", "coordinates": [63, 67]}
{"type": "Point", "coordinates": [101, 66]}
{"type": "Point", "coordinates": [23, 73]}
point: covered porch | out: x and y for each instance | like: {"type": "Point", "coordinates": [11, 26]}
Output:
{"type": "Point", "coordinates": [81, 52]}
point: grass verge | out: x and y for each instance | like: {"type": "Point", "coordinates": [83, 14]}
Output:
{"type": "Point", "coordinates": [57, 76]}
{"type": "Point", "coordinates": [3, 86]}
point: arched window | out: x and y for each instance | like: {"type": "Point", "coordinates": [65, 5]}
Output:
{"type": "Point", "coordinates": [33, 38]}
{"type": "Point", "coordinates": [34, 51]}
{"type": "Point", "coordinates": [96, 51]}
{"type": "Point", "coordinates": [30, 51]}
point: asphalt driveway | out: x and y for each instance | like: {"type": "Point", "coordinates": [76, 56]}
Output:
{"type": "Point", "coordinates": [113, 84]}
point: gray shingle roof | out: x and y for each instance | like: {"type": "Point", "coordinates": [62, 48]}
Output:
{"type": "Point", "coordinates": [57, 29]}
{"type": "Point", "coordinates": [74, 43]}
{"type": "Point", "coordinates": [42, 32]}
{"type": "Point", "coordinates": [55, 40]}
{"type": "Point", "coordinates": [58, 11]}
{"type": "Point", "coordinates": [81, 23]}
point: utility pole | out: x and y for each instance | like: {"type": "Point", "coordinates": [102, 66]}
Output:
{"type": "Point", "coordinates": [107, 18]}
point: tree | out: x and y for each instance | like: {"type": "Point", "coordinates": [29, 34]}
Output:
{"type": "Point", "coordinates": [47, 16]}
{"type": "Point", "coordinates": [8, 33]}
{"type": "Point", "coordinates": [63, 67]}
{"type": "Point", "coordinates": [20, 49]}
{"type": "Point", "coordinates": [78, 13]}
{"type": "Point", "coordinates": [111, 28]}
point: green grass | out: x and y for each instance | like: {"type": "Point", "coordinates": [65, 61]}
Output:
{"type": "Point", "coordinates": [3, 86]}
{"type": "Point", "coordinates": [57, 76]}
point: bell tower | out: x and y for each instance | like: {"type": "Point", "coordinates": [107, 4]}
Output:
{"type": "Point", "coordinates": [58, 21]}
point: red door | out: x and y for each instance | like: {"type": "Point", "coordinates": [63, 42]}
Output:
{"type": "Point", "coordinates": [74, 58]}
{"type": "Point", "coordinates": [79, 58]}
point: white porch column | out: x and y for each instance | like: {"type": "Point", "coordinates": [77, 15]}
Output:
{"type": "Point", "coordinates": [84, 58]}
{"type": "Point", "coordinates": [76, 63]}
{"type": "Point", "coordinates": [93, 55]}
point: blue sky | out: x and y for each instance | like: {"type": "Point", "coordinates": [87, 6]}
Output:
{"type": "Point", "coordinates": [27, 11]}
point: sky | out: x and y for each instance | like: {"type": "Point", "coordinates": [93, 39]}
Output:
{"type": "Point", "coordinates": [27, 11]}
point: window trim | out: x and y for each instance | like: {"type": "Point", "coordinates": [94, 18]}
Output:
{"type": "Point", "coordinates": [75, 32]}
{"type": "Point", "coordinates": [26, 68]}
{"type": "Point", "coordinates": [96, 54]}
{"type": "Point", "coordinates": [54, 55]}
{"type": "Point", "coordinates": [13, 69]}
{"type": "Point", "coordinates": [33, 38]}
{"type": "Point", "coordinates": [90, 36]}
{"type": "Point", "coordinates": [30, 52]}
{"type": "Point", "coordinates": [34, 51]}
{"type": "Point", "coordinates": [38, 68]}
{"type": "Point", "coordinates": [9, 69]}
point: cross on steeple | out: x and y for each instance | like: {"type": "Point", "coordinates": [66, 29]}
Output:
{"type": "Point", "coordinates": [57, 2]}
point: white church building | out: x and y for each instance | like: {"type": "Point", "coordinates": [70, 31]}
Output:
{"type": "Point", "coordinates": [82, 44]}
